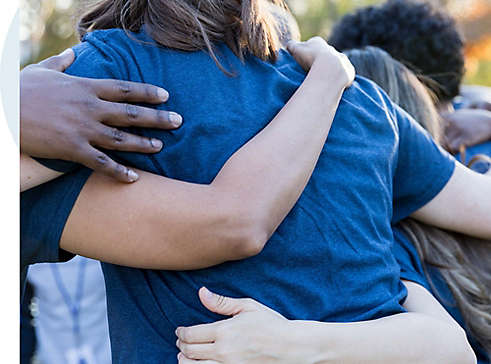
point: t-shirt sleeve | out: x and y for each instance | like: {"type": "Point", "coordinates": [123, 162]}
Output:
{"type": "Point", "coordinates": [423, 168]}
{"type": "Point", "coordinates": [44, 211]}
{"type": "Point", "coordinates": [407, 257]}
{"type": "Point", "coordinates": [93, 59]}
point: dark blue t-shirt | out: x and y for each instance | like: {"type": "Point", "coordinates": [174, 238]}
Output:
{"type": "Point", "coordinates": [412, 267]}
{"type": "Point", "coordinates": [331, 258]}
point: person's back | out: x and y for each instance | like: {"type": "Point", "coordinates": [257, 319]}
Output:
{"type": "Point", "coordinates": [331, 259]}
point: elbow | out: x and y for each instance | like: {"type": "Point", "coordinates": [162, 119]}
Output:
{"type": "Point", "coordinates": [250, 241]}
{"type": "Point", "coordinates": [467, 354]}
{"type": "Point", "coordinates": [457, 347]}
{"type": "Point", "coordinates": [248, 233]}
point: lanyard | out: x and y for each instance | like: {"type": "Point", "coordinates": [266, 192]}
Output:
{"type": "Point", "coordinates": [72, 305]}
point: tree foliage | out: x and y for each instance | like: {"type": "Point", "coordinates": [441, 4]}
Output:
{"type": "Point", "coordinates": [48, 26]}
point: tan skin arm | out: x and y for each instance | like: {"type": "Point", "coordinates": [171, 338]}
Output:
{"type": "Point", "coordinates": [159, 223]}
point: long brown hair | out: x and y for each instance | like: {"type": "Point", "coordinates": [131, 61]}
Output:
{"type": "Point", "coordinates": [464, 262]}
{"type": "Point", "coordinates": [246, 26]}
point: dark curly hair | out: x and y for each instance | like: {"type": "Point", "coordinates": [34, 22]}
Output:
{"type": "Point", "coordinates": [415, 33]}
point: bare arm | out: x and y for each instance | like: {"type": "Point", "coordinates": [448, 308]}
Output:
{"type": "Point", "coordinates": [166, 224]}
{"type": "Point", "coordinates": [256, 334]}
{"type": "Point", "coordinates": [33, 174]}
{"type": "Point", "coordinates": [464, 205]}
{"type": "Point", "coordinates": [426, 334]}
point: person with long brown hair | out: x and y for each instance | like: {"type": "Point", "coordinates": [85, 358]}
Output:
{"type": "Point", "coordinates": [331, 258]}
{"type": "Point", "coordinates": [454, 267]}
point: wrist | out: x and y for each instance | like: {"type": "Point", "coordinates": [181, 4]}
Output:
{"type": "Point", "coordinates": [333, 73]}
{"type": "Point", "coordinates": [314, 341]}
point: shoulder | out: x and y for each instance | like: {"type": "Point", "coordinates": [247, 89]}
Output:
{"type": "Point", "coordinates": [109, 53]}
{"type": "Point", "coordinates": [114, 38]}
{"type": "Point", "coordinates": [367, 94]}
{"type": "Point", "coordinates": [367, 99]}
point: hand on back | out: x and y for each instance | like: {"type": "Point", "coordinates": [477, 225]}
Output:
{"type": "Point", "coordinates": [317, 50]}
{"type": "Point", "coordinates": [69, 118]}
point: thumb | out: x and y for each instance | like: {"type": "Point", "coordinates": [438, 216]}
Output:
{"type": "Point", "coordinates": [225, 305]}
{"type": "Point", "coordinates": [60, 62]}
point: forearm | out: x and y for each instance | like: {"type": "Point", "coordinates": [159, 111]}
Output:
{"type": "Point", "coordinates": [402, 338]}
{"type": "Point", "coordinates": [281, 159]}
{"type": "Point", "coordinates": [425, 334]}
{"type": "Point", "coordinates": [160, 223]}
{"type": "Point", "coordinates": [33, 174]}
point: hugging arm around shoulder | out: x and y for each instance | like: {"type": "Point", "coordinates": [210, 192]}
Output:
{"type": "Point", "coordinates": [162, 223]}
{"type": "Point", "coordinates": [449, 195]}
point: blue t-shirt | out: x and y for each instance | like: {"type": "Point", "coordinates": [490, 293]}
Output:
{"type": "Point", "coordinates": [41, 245]}
{"type": "Point", "coordinates": [412, 267]}
{"type": "Point", "coordinates": [331, 258]}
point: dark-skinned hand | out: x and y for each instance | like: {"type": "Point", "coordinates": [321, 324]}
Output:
{"type": "Point", "coordinates": [66, 117]}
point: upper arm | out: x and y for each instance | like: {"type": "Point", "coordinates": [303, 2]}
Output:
{"type": "Point", "coordinates": [43, 213]}
{"type": "Point", "coordinates": [463, 205]}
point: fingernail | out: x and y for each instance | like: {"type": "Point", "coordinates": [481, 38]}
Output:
{"type": "Point", "coordinates": [162, 94]}
{"type": "Point", "coordinates": [207, 292]}
{"type": "Point", "coordinates": [175, 119]}
{"type": "Point", "coordinates": [156, 143]}
{"type": "Point", "coordinates": [132, 175]}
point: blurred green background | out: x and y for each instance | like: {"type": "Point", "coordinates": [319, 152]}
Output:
{"type": "Point", "coordinates": [48, 27]}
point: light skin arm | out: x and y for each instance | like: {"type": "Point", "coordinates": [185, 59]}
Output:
{"type": "Point", "coordinates": [160, 223]}
{"type": "Point", "coordinates": [256, 334]}
{"type": "Point", "coordinates": [463, 205]}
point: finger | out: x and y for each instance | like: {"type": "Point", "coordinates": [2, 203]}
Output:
{"type": "Point", "coordinates": [183, 360]}
{"type": "Point", "coordinates": [198, 334]}
{"type": "Point", "coordinates": [197, 351]}
{"type": "Point", "coordinates": [126, 115]}
{"type": "Point", "coordinates": [115, 139]}
{"type": "Point", "coordinates": [225, 305]}
{"type": "Point", "coordinates": [290, 46]}
{"type": "Point", "coordinates": [60, 62]}
{"type": "Point", "coordinates": [100, 162]}
{"type": "Point", "coordinates": [125, 91]}
{"type": "Point", "coordinates": [295, 48]}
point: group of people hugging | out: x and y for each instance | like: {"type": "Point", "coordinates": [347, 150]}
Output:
{"type": "Point", "coordinates": [326, 201]}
